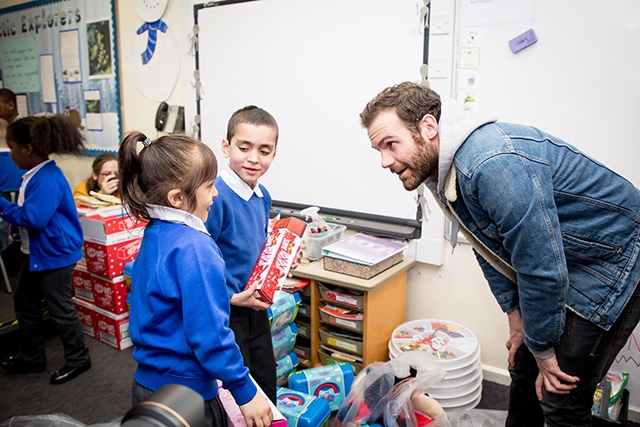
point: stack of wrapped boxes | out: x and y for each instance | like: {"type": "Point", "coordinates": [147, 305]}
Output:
{"type": "Point", "coordinates": [282, 315]}
{"type": "Point", "coordinates": [111, 239]}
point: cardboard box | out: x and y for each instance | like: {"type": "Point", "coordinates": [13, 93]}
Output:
{"type": "Point", "coordinates": [81, 282]}
{"type": "Point", "coordinates": [113, 329]}
{"type": "Point", "coordinates": [360, 270]}
{"type": "Point", "coordinates": [110, 294]}
{"type": "Point", "coordinates": [87, 315]}
{"type": "Point", "coordinates": [110, 225]}
{"type": "Point", "coordinates": [108, 260]}
{"type": "Point", "coordinates": [276, 257]}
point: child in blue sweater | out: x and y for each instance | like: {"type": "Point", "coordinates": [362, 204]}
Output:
{"type": "Point", "coordinates": [238, 223]}
{"type": "Point", "coordinates": [51, 241]}
{"type": "Point", "coordinates": [179, 319]}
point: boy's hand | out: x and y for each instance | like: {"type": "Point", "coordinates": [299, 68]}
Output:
{"type": "Point", "coordinates": [257, 412]}
{"type": "Point", "coordinates": [296, 260]}
{"type": "Point", "coordinates": [246, 299]}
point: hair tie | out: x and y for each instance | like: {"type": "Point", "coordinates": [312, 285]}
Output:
{"type": "Point", "coordinates": [146, 142]}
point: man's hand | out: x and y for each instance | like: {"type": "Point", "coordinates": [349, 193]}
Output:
{"type": "Point", "coordinates": [246, 299]}
{"type": "Point", "coordinates": [516, 336]}
{"type": "Point", "coordinates": [553, 379]}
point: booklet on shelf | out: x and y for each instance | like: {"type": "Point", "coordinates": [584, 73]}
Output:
{"type": "Point", "coordinates": [364, 249]}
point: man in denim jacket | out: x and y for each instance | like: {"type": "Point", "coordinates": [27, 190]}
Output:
{"type": "Point", "coordinates": [557, 235]}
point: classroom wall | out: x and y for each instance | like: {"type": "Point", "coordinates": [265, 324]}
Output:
{"type": "Point", "coordinates": [455, 291]}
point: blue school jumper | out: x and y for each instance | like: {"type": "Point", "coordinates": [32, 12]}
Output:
{"type": "Point", "coordinates": [179, 319]}
{"type": "Point", "coordinates": [10, 175]}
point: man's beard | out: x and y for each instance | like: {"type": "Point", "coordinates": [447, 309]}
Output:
{"type": "Point", "coordinates": [422, 165]}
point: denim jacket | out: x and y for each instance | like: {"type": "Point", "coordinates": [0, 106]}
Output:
{"type": "Point", "coordinates": [564, 224]}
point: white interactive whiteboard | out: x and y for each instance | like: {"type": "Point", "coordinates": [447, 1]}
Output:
{"type": "Point", "coordinates": [314, 66]}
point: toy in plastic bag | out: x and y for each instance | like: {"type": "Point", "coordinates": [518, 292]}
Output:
{"type": "Point", "coordinates": [382, 393]}
{"type": "Point", "coordinates": [607, 399]}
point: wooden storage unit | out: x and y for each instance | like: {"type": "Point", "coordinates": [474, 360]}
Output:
{"type": "Point", "coordinates": [384, 305]}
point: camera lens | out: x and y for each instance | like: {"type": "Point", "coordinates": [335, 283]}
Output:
{"type": "Point", "coordinates": [172, 405]}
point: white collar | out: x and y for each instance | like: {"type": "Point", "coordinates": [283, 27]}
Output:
{"type": "Point", "coordinates": [4, 150]}
{"type": "Point", "coordinates": [238, 186]}
{"type": "Point", "coordinates": [28, 174]}
{"type": "Point", "coordinates": [177, 216]}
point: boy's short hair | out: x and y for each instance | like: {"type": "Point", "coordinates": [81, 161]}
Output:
{"type": "Point", "coordinates": [7, 96]}
{"type": "Point", "coordinates": [251, 115]}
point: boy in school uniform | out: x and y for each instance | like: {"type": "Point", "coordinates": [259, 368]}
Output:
{"type": "Point", "coordinates": [238, 223]}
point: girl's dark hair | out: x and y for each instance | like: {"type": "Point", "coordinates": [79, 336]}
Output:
{"type": "Point", "coordinates": [47, 135]}
{"type": "Point", "coordinates": [169, 162]}
{"type": "Point", "coordinates": [96, 167]}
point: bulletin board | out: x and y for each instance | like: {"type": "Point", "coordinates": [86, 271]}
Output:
{"type": "Point", "coordinates": [60, 56]}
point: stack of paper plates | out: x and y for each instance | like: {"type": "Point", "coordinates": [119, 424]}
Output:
{"type": "Point", "coordinates": [452, 347]}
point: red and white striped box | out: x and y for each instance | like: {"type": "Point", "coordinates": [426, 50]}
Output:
{"type": "Point", "coordinates": [81, 282]}
{"type": "Point", "coordinates": [276, 257]}
{"type": "Point", "coordinates": [110, 225]}
{"type": "Point", "coordinates": [110, 294]}
{"type": "Point", "coordinates": [113, 329]}
{"type": "Point", "coordinates": [87, 315]}
{"type": "Point", "coordinates": [108, 260]}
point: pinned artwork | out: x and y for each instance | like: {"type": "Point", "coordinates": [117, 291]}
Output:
{"type": "Point", "coordinates": [154, 51]}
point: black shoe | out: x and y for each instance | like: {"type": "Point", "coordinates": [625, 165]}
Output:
{"type": "Point", "coordinates": [67, 373]}
{"type": "Point", "coordinates": [15, 364]}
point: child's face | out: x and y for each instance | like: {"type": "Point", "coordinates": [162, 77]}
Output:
{"type": "Point", "coordinates": [204, 198]}
{"type": "Point", "coordinates": [18, 155]}
{"type": "Point", "coordinates": [251, 151]}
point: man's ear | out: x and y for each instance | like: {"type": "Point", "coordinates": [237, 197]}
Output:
{"type": "Point", "coordinates": [225, 148]}
{"type": "Point", "coordinates": [429, 127]}
{"type": "Point", "coordinates": [175, 198]}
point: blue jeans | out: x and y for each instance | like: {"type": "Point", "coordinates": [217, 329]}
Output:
{"type": "Point", "coordinates": [586, 351]}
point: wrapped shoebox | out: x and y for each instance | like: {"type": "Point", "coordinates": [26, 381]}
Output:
{"type": "Point", "coordinates": [113, 329]}
{"type": "Point", "coordinates": [110, 294]}
{"type": "Point", "coordinates": [108, 260]}
{"type": "Point", "coordinates": [342, 317]}
{"type": "Point", "coordinates": [87, 315]}
{"type": "Point", "coordinates": [283, 311]}
{"type": "Point", "coordinates": [234, 415]}
{"type": "Point", "coordinates": [340, 296]}
{"type": "Point", "coordinates": [284, 340]}
{"type": "Point", "coordinates": [331, 383]}
{"type": "Point", "coordinates": [276, 257]}
{"type": "Point", "coordinates": [341, 339]}
{"type": "Point", "coordinates": [81, 282]}
{"type": "Point", "coordinates": [110, 225]}
{"type": "Point", "coordinates": [301, 409]}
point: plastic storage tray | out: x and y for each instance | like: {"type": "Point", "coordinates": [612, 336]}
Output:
{"type": "Point", "coordinates": [330, 316]}
{"type": "Point", "coordinates": [327, 358]}
{"type": "Point", "coordinates": [341, 340]}
{"type": "Point", "coordinates": [339, 296]}
{"type": "Point", "coordinates": [315, 242]}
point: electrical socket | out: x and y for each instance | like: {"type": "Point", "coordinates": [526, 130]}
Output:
{"type": "Point", "coordinates": [438, 68]}
{"type": "Point", "coordinates": [440, 24]}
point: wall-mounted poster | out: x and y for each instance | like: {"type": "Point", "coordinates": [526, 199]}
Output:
{"type": "Point", "coordinates": [61, 54]}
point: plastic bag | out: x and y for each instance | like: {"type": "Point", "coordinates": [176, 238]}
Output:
{"type": "Point", "coordinates": [51, 420]}
{"type": "Point", "coordinates": [382, 391]}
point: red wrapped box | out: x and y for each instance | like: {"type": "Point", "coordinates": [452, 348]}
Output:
{"type": "Point", "coordinates": [110, 294]}
{"type": "Point", "coordinates": [113, 329]}
{"type": "Point", "coordinates": [81, 282]}
{"type": "Point", "coordinates": [276, 257]}
{"type": "Point", "coordinates": [108, 260]}
{"type": "Point", "coordinates": [110, 225]}
{"type": "Point", "coordinates": [87, 315]}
